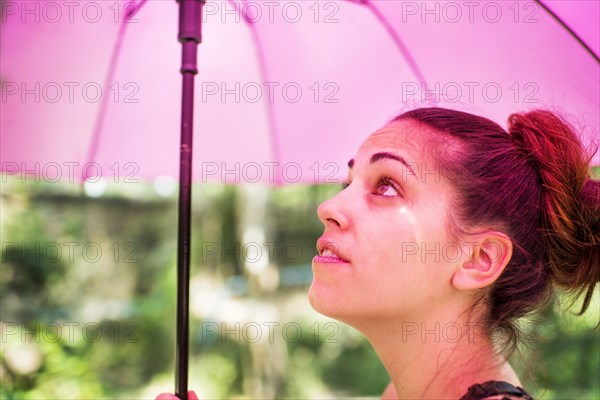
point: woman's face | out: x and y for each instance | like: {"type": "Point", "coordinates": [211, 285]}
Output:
{"type": "Point", "coordinates": [389, 228]}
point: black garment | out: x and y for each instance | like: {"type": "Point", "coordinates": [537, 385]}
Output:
{"type": "Point", "coordinates": [494, 388]}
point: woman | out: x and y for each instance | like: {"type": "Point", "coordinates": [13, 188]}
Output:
{"type": "Point", "coordinates": [448, 230]}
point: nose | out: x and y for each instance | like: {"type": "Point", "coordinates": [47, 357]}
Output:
{"type": "Point", "coordinates": [333, 212]}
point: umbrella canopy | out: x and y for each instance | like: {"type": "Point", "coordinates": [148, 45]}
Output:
{"type": "Point", "coordinates": [286, 90]}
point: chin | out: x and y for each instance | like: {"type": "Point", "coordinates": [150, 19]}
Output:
{"type": "Point", "coordinates": [313, 298]}
{"type": "Point", "coordinates": [327, 303]}
{"type": "Point", "coordinates": [358, 313]}
{"type": "Point", "coordinates": [318, 300]}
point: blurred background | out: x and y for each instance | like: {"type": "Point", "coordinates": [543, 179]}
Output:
{"type": "Point", "coordinates": [88, 299]}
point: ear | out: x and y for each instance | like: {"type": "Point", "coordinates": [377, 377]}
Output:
{"type": "Point", "coordinates": [487, 255]}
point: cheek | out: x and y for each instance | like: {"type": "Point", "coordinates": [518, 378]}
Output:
{"type": "Point", "coordinates": [397, 256]}
{"type": "Point", "coordinates": [391, 237]}
{"type": "Point", "coordinates": [385, 268]}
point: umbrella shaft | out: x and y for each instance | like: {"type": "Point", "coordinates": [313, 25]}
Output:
{"type": "Point", "coordinates": [190, 19]}
{"type": "Point", "coordinates": [184, 237]}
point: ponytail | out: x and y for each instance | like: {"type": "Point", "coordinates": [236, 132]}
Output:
{"type": "Point", "coordinates": [570, 223]}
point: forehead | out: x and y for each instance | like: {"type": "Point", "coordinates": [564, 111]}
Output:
{"type": "Point", "coordinates": [405, 136]}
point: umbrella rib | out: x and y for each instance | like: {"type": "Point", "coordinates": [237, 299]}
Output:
{"type": "Point", "coordinates": [93, 149]}
{"type": "Point", "coordinates": [262, 65]}
{"type": "Point", "coordinates": [568, 28]}
{"type": "Point", "coordinates": [400, 45]}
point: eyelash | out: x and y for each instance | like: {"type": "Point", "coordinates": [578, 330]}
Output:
{"type": "Point", "coordinates": [386, 180]}
{"type": "Point", "coordinates": [383, 180]}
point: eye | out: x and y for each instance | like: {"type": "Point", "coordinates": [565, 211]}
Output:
{"type": "Point", "coordinates": [386, 187]}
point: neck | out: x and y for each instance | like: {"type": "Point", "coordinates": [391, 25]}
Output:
{"type": "Point", "coordinates": [436, 357]}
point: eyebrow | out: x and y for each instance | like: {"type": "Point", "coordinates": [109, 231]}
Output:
{"type": "Point", "coordinates": [384, 156]}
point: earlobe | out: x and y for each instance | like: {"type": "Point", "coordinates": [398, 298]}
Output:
{"type": "Point", "coordinates": [488, 255]}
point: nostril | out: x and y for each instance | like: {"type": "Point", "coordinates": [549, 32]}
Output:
{"type": "Point", "coordinates": [334, 221]}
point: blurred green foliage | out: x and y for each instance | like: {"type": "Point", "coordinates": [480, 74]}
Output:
{"type": "Point", "coordinates": [128, 296]}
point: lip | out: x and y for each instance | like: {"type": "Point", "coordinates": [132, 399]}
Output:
{"type": "Point", "coordinates": [328, 260]}
{"type": "Point", "coordinates": [325, 243]}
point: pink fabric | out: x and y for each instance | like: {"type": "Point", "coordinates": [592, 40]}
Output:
{"type": "Point", "coordinates": [351, 73]}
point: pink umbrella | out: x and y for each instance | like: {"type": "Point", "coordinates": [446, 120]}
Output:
{"type": "Point", "coordinates": [287, 90]}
